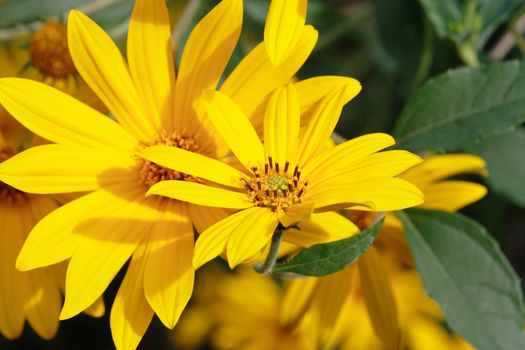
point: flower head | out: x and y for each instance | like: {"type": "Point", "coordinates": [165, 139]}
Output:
{"type": "Point", "coordinates": [289, 176]}
{"type": "Point", "coordinates": [152, 103]}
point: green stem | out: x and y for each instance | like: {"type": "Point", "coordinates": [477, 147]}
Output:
{"type": "Point", "coordinates": [271, 258]}
{"type": "Point", "coordinates": [517, 34]}
{"type": "Point", "coordinates": [467, 52]}
{"type": "Point", "coordinates": [425, 61]}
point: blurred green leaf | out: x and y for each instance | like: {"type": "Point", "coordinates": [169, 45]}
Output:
{"type": "Point", "coordinates": [14, 12]}
{"type": "Point", "coordinates": [496, 12]}
{"type": "Point", "coordinates": [463, 106]}
{"type": "Point", "coordinates": [463, 268]}
{"type": "Point", "coordinates": [506, 163]}
{"type": "Point", "coordinates": [327, 258]}
{"type": "Point", "coordinates": [442, 14]}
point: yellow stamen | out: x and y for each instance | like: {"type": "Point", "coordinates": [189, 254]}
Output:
{"type": "Point", "coordinates": [151, 173]}
{"type": "Point", "coordinates": [9, 195]}
{"type": "Point", "coordinates": [49, 51]}
{"type": "Point", "coordinates": [275, 188]}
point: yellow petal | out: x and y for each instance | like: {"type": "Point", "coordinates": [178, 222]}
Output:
{"type": "Point", "coordinates": [12, 282]}
{"type": "Point", "coordinates": [439, 167]}
{"type": "Point", "coordinates": [321, 228]}
{"type": "Point", "coordinates": [197, 193]}
{"type": "Point", "coordinates": [130, 313]}
{"type": "Point", "coordinates": [56, 236]}
{"type": "Point", "coordinates": [255, 76]}
{"type": "Point", "coordinates": [383, 164]}
{"type": "Point", "coordinates": [212, 242]}
{"type": "Point", "coordinates": [97, 309]}
{"type": "Point", "coordinates": [313, 90]}
{"type": "Point", "coordinates": [101, 65]}
{"type": "Point", "coordinates": [328, 301]}
{"type": "Point", "coordinates": [150, 57]}
{"type": "Point", "coordinates": [452, 195]}
{"type": "Point", "coordinates": [168, 277]}
{"type": "Point", "coordinates": [43, 303]}
{"type": "Point", "coordinates": [60, 118]}
{"type": "Point", "coordinates": [235, 128]}
{"type": "Point", "coordinates": [346, 153]}
{"type": "Point", "coordinates": [295, 213]}
{"type": "Point", "coordinates": [296, 300]}
{"type": "Point", "coordinates": [250, 236]}
{"type": "Point", "coordinates": [281, 126]}
{"type": "Point", "coordinates": [324, 119]}
{"type": "Point", "coordinates": [283, 29]}
{"type": "Point", "coordinates": [376, 194]}
{"type": "Point", "coordinates": [194, 164]}
{"type": "Point", "coordinates": [62, 169]}
{"type": "Point", "coordinates": [106, 246]}
{"type": "Point", "coordinates": [379, 299]}
{"type": "Point", "coordinates": [203, 217]}
{"type": "Point", "coordinates": [205, 56]}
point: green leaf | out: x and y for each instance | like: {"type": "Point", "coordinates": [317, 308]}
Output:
{"type": "Point", "coordinates": [463, 106]}
{"type": "Point", "coordinates": [496, 12]}
{"type": "Point", "coordinates": [465, 272]}
{"type": "Point", "coordinates": [505, 163]}
{"type": "Point", "coordinates": [442, 13]}
{"type": "Point", "coordinates": [327, 258]}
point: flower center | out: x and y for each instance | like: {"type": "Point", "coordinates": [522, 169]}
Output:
{"type": "Point", "coordinates": [49, 51]}
{"type": "Point", "coordinates": [151, 173]}
{"type": "Point", "coordinates": [8, 194]}
{"type": "Point", "coordinates": [275, 188]}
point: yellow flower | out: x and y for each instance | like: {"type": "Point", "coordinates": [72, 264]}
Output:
{"type": "Point", "coordinates": [287, 178]}
{"type": "Point", "coordinates": [35, 296]}
{"type": "Point", "coordinates": [91, 153]}
{"type": "Point", "coordinates": [239, 311]}
{"type": "Point", "coordinates": [373, 289]}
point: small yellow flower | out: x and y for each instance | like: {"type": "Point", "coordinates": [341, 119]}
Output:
{"type": "Point", "coordinates": [152, 104]}
{"type": "Point", "coordinates": [374, 291]}
{"type": "Point", "coordinates": [287, 178]}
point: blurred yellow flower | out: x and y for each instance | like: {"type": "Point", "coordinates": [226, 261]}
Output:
{"type": "Point", "coordinates": [287, 178]}
{"type": "Point", "coordinates": [238, 311]}
{"type": "Point", "coordinates": [373, 289]}
{"type": "Point", "coordinates": [35, 296]}
{"type": "Point", "coordinates": [152, 105]}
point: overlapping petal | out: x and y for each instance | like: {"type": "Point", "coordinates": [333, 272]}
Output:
{"type": "Point", "coordinates": [60, 118]}
{"type": "Point", "coordinates": [101, 65]}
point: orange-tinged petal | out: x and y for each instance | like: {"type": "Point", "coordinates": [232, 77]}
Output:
{"type": "Point", "coordinates": [203, 217]}
{"type": "Point", "coordinates": [281, 126]}
{"type": "Point", "coordinates": [452, 195]}
{"type": "Point", "coordinates": [197, 193]}
{"type": "Point", "coordinates": [255, 76]}
{"type": "Point", "coordinates": [283, 29]}
{"type": "Point", "coordinates": [212, 242]}
{"type": "Point", "coordinates": [250, 236]}
{"type": "Point", "coordinates": [131, 313]}
{"type": "Point", "coordinates": [62, 169]}
{"type": "Point", "coordinates": [12, 282]}
{"type": "Point", "coordinates": [43, 303]}
{"type": "Point", "coordinates": [101, 65]}
{"type": "Point", "coordinates": [324, 119]}
{"type": "Point", "coordinates": [169, 274]}
{"type": "Point", "coordinates": [379, 298]}
{"type": "Point", "coordinates": [107, 243]}
{"type": "Point", "coordinates": [150, 57]}
{"type": "Point", "coordinates": [235, 128]}
{"type": "Point", "coordinates": [194, 164]}
{"type": "Point", "coordinates": [206, 53]}
{"type": "Point", "coordinates": [56, 236]}
{"type": "Point", "coordinates": [60, 118]}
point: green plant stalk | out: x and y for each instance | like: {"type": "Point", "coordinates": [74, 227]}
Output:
{"type": "Point", "coordinates": [267, 267]}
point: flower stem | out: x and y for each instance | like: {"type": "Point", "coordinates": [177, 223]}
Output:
{"type": "Point", "coordinates": [271, 258]}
